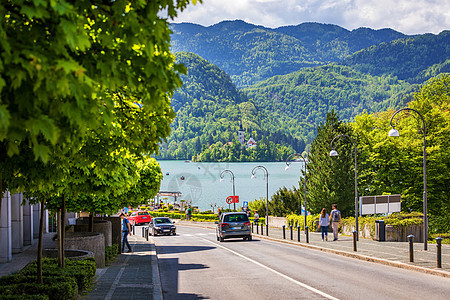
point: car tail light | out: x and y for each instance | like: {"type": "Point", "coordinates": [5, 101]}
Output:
{"type": "Point", "coordinates": [247, 223]}
{"type": "Point", "coordinates": [224, 224]}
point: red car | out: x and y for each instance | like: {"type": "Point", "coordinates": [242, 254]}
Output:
{"type": "Point", "coordinates": [139, 217]}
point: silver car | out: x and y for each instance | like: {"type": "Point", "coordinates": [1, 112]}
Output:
{"type": "Point", "coordinates": [233, 225]}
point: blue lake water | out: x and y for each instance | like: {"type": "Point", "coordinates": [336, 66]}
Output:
{"type": "Point", "coordinates": [202, 186]}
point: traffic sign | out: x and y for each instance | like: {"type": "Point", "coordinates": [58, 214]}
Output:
{"type": "Point", "coordinates": [245, 204]}
{"type": "Point", "coordinates": [232, 199]}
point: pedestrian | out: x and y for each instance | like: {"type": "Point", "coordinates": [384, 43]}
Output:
{"type": "Point", "coordinates": [256, 220]}
{"type": "Point", "coordinates": [188, 213]}
{"type": "Point", "coordinates": [219, 212]}
{"type": "Point", "coordinates": [335, 219]}
{"type": "Point", "coordinates": [126, 229]}
{"type": "Point", "coordinates": [324, 221]}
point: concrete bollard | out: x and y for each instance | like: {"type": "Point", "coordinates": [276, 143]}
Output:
{"type": "Point", "coordinates": [298, 233]}
{"type": "Point", "coordinates": [355, 235]}
{"type": "Point", "coordinates": [284, 232]}
{"type": "Point", "coordinates": [411, 247]}
{"type": "Point", "coordinates": [439, 251]}
{"type": "Point", "coordinates": [307, 234]}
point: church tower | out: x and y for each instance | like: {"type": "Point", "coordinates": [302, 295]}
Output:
{"type": "Point", "coordinates": [241, 134]}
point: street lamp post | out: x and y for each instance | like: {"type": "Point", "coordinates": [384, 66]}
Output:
{"type": "Point", "coordinates": [304, 179]}
{"type": "Point", "coordinates": [334, 153]}
{"type": "Point", "coordinates": [267, 192]}
{"type": "Point", "coordinates": [232, 178]}
{"type": "Point", "coordinates": [394, 133]}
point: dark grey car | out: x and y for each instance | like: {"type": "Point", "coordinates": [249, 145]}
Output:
{"type": "Point", "coordinates": [233, 225]}
{"type": "Point", "coordinates": [161, 225]}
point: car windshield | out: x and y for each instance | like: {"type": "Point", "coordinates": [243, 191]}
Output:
{"type": "Point", "coordinates": [162, 221]}
{"type": "Point", "coordinates": [235, 218]}
{"type": "Point", "coordinates": [143, 213]}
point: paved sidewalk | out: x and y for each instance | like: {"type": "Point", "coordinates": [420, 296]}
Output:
{"type": "Point", "coordinates": [29, 254]}
{"type": "Point", "coordinates": [131, 276]}
{"type": "Point", "coordinates": [389, 253]}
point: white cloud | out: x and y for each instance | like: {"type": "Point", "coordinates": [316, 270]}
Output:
{"type": "Point", "coordinates": [407, 16]}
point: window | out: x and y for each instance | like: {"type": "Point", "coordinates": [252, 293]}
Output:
{"type": "Point", "coordinates": [235, 218]}
{"type": "Point", "coordinates": [162, 221]}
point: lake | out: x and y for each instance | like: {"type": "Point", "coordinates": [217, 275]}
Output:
{"type": "Point", "coordinates": [202, 187]}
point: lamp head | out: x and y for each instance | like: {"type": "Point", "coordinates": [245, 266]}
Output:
{"type": "Point", "coordinates": [221, 179]}
{"type": "Point", "coordinates": [253, 176]}
{"type": "Point", "coordinates": [333, 153]}
{"type": "Point", "coordinates": [393, 132]}
{"type": "Point", "coordinates": [287, 168]}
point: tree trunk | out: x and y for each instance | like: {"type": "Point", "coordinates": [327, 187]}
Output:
{"type": "Point", "coordinates": [60, 257]}
{"type": "Point", "coordinates": [91, 222]}
{"type": "Point", "coordinates": [41, 236]}
{"type": "Point", "coordinates": [63, 228]}
{"type": "Point", "coordinates": [1, 196]}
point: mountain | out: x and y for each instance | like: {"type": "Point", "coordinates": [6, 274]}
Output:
{"type": "Point", "coordinates": [413, 59]}
{"type": "Point", "coordinates": [210, 109]}
{"type": "Point", "coordinates": [301, 100]}
{"type": "Point", "coordinates": [251, 53]}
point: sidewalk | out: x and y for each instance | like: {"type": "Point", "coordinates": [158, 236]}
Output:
{"type": "Point", "coordinates": [29, 254]}
{"type": "Point", "coordinates": [131, 276]}
{"type": "Point", "coordinates": [395, 254]}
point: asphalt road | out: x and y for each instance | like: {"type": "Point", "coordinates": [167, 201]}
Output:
{"type": "Point", "coordinates": [193, 265]}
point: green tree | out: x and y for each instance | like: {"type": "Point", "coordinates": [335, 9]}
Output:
{"type": "Point", "coordinates": [331, 179]}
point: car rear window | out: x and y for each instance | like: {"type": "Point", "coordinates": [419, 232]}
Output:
{"type": "Point", "coordinates": [235, 218]}
{"type": "Point", "coordinates": [143, 213]}
{"type": "Point", "coordinates": [162, 221]}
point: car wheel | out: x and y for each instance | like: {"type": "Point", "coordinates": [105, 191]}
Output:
{"type": "Point", "coordinates": [249, 238]}
{"type": "Point", "coordinates": [221, 239]}
{"type": "Point", "coordinates": [153, 232]}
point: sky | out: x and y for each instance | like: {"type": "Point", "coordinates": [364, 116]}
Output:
{"type": "Point", "coordinates": [406, 16]}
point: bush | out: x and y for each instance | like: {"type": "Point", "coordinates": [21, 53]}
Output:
{"type": "Point", "coordinates": [23, 297]}
{"type": "Point", "coordinates": [55, 287]}
{"type": "Point", "coordinates": [445, 237]}
{"type": "Point", "coordinates": [83, 271]}
{"type": "Point", "coordinates": [299, 220]}
{"type": "Point", "coordinates": [111, 252]}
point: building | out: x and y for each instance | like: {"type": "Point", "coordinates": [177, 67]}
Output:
{"type": "Point", "coordinates": [250, 143]}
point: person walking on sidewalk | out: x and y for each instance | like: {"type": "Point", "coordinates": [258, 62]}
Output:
{"type": "Point", "coordinates": [324, 221]}
{"type": "Point", "coordinates": [188, 214]}
{"type": "Point", "coordinates": [126, 229]}
{"type": "Point", "coordinates": [335, 219]}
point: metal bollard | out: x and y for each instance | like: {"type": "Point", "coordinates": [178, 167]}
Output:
{"type": "Point", "coordinates": [252, 226]}
{"type": "Point", "coordinates": [411, 247]}
{"type": "Point", "coordinates": [257, 229]}
{"type": "Point", "coordinates": [146, 233]}
{"type": "Point", "coordinates": [355, 235]}
{"type": "Point", "coordinates": [298, 233]}
{"type": "Point", "coordinates": [262, 229]}
{"type": "Point", "coordinates": [439, 251]}
{"type": "Point", "coordinates": [267, 229]}
{"type": "Point", "coordinates": [307, 234]}
{"type": "Point", "coordinates": [284, 232]}
{"type": "Point", "coordinates": [143, 231]}
{"type": "Point", "coordinates": [292, 233]}
{"type": "Point", "coordinates": [134, 226]}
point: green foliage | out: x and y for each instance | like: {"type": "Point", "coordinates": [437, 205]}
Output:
{"type": "Point", "coordinates": [251, 53]}
{"type": "Point", "coordinates": [111, 252]}
{"type": "Point", "coordinates": [412, 59]}
{"type": "Point", "coordinates": [298, 220]}
{"type": "Point", "coordinates": [210, 111]}
{"type": "Point", "coordinates": [83, 271]}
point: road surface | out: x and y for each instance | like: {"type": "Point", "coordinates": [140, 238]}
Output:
{"type": "Point", "coordinates": [194, 265]}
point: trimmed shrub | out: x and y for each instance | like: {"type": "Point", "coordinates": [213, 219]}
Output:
{"type": "Point", "coordinates": [111, 252]}
{"type": "Point", "coordinates": [56, 287]}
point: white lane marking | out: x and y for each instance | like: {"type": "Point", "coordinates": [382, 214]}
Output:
{"type": "Point", "coordinates": [314, 290]}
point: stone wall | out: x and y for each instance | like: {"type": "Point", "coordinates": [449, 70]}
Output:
{"type": "Point", "coordinates": [277, 221]}
{"type": "Point", "coordinates": [90, 241]}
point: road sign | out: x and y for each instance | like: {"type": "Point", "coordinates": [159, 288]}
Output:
{"type": "Point", "coordinates": [245, 204]}
{"type": "Point", "coordinates": [232, 199]}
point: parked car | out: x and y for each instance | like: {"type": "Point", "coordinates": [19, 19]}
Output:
{"type": "Point", "coordinates": [161, 225]}
{"type": "Point", "coordinates": [139, 217]}
{"type": "Point", "coordinates": [233, 225]}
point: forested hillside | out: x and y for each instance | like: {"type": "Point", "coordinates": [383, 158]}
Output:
{"type": "Point", "coordinates": [301, 100]}
{"type": "Point", "coordinates": [250, 53]}
{"type": "Point", "coordinates": [209, 110]}
{"type": "Point", "coordinates": [414, 59]}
